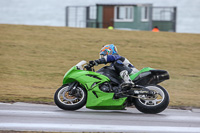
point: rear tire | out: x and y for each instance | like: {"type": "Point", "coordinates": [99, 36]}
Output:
{"type": "Point", "coordinates": [153, 106]}
{"type": "Point", "coordinates": [65, 101]}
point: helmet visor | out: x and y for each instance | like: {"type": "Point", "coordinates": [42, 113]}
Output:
{"type": "Point", "coordinates": [103, 53]}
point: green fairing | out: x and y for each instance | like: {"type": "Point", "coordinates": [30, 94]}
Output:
{"type": "Point", "coordinates": [96, 99]}
{"type": "Point", "coordinates": [81, 76]}
{"type": "Point", "coordinates": [104, 101]}
{"type": "Point", "coordinates": [146, 69]}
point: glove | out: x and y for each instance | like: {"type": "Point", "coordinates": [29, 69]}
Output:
{"type": "Point", "coordinates": [92, 63]}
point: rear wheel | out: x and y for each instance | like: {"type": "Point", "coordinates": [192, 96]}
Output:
{"type": "Point", "coordinates": [68, 100]}
{"type": "Point", "coordinates": [153, 104]}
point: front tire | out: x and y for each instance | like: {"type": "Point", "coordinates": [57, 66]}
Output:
{"type": "Point", "coordinates": [154, 105]}
{"type": "Point", "coordinates": [67, 101]}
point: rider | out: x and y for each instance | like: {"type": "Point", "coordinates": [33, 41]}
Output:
{"type": "Point", "coordinates": [123, 67]}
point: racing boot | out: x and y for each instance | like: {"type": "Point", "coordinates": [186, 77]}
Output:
{"type": "Point", "coordinates": [127, 84]}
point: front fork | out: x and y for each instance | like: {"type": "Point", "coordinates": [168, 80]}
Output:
{"type": "Point", "coordinates": [72, 87]}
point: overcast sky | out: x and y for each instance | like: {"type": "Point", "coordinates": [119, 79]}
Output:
{"type": "Point", "coordinates": [52, 12]}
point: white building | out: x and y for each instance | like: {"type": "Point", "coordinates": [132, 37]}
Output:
{"type": "Point", "coordinates": [52, 12]}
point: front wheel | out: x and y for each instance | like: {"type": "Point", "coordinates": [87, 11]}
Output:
{"type": "Point", "coordinates": [65, 99]}
{"type": "Point", "coordinates": [153, 104]}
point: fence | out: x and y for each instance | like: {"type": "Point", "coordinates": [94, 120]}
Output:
{"type": "Point", "coordinates": [80, 16]}
{"type": "Point", "coordinates": [164, 18]}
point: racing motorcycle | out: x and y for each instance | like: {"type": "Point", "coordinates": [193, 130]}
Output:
{"type": "Point", "coordinates": [103, 90]}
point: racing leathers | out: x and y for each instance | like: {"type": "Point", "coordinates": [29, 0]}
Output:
{"type": "Point", "coordinates": [122, 66]}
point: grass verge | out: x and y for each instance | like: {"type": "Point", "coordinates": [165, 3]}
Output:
{"type": "Point", "coordinates": [33, 59]}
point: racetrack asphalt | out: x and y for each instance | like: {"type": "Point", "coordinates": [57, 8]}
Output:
{"type": "Point", "coordinates": [40, 117]}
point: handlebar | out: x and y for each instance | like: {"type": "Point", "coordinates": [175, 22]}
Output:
{"type": "Point", "coordinates": [89, 67]}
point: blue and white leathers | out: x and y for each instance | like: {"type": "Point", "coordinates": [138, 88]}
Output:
{"type": "Point", "coordinates": [119, 60]}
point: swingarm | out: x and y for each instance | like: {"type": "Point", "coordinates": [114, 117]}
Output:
{"type": "Point", "coordinates": [137, 92]}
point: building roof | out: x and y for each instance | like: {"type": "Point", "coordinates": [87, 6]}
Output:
{"type": "Point", "coordinates": [122, 4]}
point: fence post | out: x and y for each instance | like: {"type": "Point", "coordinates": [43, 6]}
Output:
{"type": "Point", "coordinates": [150, 17]}
{"type": "Point", "coordinates": [66, 16]}
{"type": "Point", "coordinates": [87, 15]}
{"type": "Point", "coordinates": [174, 19]}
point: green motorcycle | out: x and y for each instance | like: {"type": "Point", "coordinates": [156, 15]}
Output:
{"type": "Point", "coordinates": [102, 90]}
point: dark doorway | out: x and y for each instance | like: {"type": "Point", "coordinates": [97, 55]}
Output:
{"type": "Point", "coordinates": [108, 16]}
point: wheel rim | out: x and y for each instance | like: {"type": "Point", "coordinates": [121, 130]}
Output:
{"type": "Point", "coordinates": [67, 99]}
{"type": "Point", "coordinates": [153, 101]}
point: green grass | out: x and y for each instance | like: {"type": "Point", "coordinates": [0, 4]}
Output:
{"type": "Point", "coordinates": [33, 59]}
